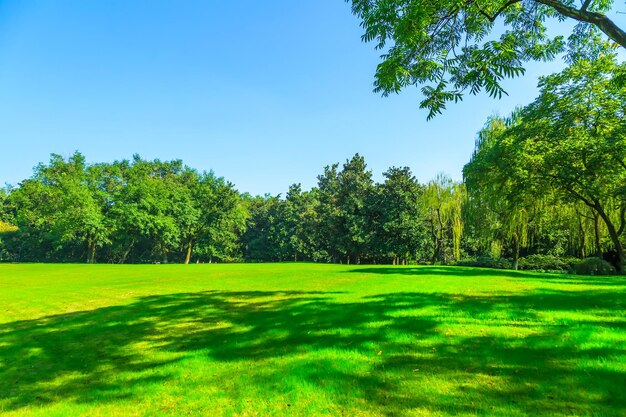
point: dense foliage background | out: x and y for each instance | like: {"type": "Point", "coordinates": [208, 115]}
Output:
{"type": "Point", "coordinates": [544, 186]}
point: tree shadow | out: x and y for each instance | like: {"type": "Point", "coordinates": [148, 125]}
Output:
{"type": "Point", "coordinates": [471, 272]}
{"type": "Point", "coordinates": [405, 336]}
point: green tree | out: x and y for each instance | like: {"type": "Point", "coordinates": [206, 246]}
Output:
{"type": "Point", "coordinates": [329, 231]}
{"type": "Point", "coordinates": [573, 137]}
{"type": "Point", "coordinates": [266, 238]}
{"type": "Point", "coordinates": [399, 221]}
{"type": "Point", "coordinates": [301, 221]}
{"type": "Point", "coordinates": [509, 207]}
{"type": "Point", "coordinates": [566, 149]}
{"type": "Point", "coordinates": [60, 211]}
{"type": "Point", "coordinates": [222, 221]}
{"type": "Point", "coordinates": [443, 203]}
{"type": "Point", "coordinates": [145, 209]}
{"type": "Point", "coordinates": [344, 230]}
{"type": "Point", "coordinates": [452, 47]}
{"type": "Point", "coordinates": [210, 213]}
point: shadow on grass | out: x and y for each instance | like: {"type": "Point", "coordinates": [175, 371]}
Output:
{"type": "Point", "coordinates": [536, 365]}
{"type": "Point", "coordinates": [471, 272]}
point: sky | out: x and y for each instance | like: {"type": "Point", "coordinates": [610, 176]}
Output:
{"type": "Point", "coordinates": [264, 94]}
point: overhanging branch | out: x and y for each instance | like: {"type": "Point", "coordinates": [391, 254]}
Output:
{"type": "Point", "coordinates": [599, 20]}
{"type": "Point", "coordinates": [493, 17]}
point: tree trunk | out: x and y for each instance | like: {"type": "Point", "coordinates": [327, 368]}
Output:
{"type": "Point", "coordinates": [188, 254]}
{"type": "Point", "coordinates": [596, 229]}
{"type": "Point", "coordinates": [583, 236]}
{"type": "Point", "coordinates": [442, 239]}
{"type": "Point", "coordinates": [619, 248]}
{"type": "Point", "coordinates": [515, 253]}
{"type": "Point", "coordinates": [127, 251]}
{"type": "Point", "coordinates": [91, 251]}
{"type": "Point", "coordinates": [92, 255]}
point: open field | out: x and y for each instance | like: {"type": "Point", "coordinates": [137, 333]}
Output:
{"type": "Point", "coordinates": [305, 339]}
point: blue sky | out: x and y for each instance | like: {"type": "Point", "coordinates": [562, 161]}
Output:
{"type": "Point", "coordinates": [264, 93]}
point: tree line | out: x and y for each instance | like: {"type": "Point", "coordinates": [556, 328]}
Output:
{"type": "Point", "coordinates": [163, 211]}
{"type": "Point", "coordinates": [548, 180]}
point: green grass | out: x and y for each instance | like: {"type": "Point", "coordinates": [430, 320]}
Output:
{"type": "Point", "coordinates": [304, 339]}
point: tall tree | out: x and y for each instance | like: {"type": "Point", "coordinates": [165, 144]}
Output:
{"type": "Point", "coordinates": [509, 206]}
{"type": "Point", "coordinates": [399, 215]}
{"type": "Point", "coordinates": [568, 145]}
{"type": "Point", "coordinates": [60, 205]}
{"type": "Point", "coordinates": [573, 137]}
{"type": "Point", "coordinates": [443, 200]}
{"type": "Point", "coordinates": [211, 215]}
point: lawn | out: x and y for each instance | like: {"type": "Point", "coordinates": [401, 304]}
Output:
{"type": "Point", "coordinates": [307, 340]}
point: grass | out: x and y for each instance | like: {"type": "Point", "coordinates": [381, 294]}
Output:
{"type": "Point", "coordinates": [305, 340]}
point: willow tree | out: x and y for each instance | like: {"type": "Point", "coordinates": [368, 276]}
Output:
{"type": "Point", "coordinates": [496, 186]}
{"type": "Point", "coordinates": [452, 47]}
{"type": "Point", "coordinates": [573, 138]}
{"type": "Point", "coordinates": [443, 201]}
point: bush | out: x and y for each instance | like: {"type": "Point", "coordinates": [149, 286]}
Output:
{"type": "Point", "coordinates": [593, 266]}
{"type": "Point", "coordinates": [487, 262]}
{"type": "Point", "coordinates": [547, 263]}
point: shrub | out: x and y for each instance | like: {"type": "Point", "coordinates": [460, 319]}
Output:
{"type": "Point", "coordinates": [547, 263]}
{"type": "Point", "coordinates": [593, 266]}
{"type": "Point", "coordinates": [487, 262]}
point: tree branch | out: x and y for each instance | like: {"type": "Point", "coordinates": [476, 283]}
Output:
{"type": "Point", "coordinates": [585, 5]}
{"type": "Point", "coordinates": [498, 12]}
{"type": "Point", "coordinates": [602, 22]}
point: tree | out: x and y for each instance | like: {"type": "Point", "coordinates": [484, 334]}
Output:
{"type": "Point", "coordinates": [574, 138]}
{"type": "Point", "coordinates": [266, 238]}
{"type": "Point", "coordinates": [300, 221]}
{"type": "Point", "coordinates": [210, 215]}
{"type": "Point", "coordinates": [570, 144]}
{"type": "Point", "coordinates": [5, 226]}
{"type": "Point", "coordinates": [399, 225]}
{"type": "Point", "coordinates": [60, 211]}
{"type": "Point", "coordinates": [344, 230]}
{"type": "Point", "coordinates": [507, 209]}
{"type": "Point", "coordinates": [450, 47]}
{"type": "Point", "coordinates": [147, 197]}
{"type": "Point", "coordinates": [223, 218]}
{"type": "Point", "coordinates": [443, 202]}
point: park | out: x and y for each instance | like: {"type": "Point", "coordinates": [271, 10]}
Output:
{"type": "Point", "coordinates": [205, 209]}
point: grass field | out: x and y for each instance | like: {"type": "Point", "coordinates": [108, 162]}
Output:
{"type": "Point", "coordinates": [306, 340]}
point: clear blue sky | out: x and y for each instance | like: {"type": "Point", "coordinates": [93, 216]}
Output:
{"type": "Point", "coordinates": [265, 93]}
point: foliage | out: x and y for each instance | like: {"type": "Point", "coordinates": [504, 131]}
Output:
{"type": "Point", "coordinates": [451, 47]}
{"type": "Point", "coordinates": [593, 266]}
{"type": "Point", "coordinates": [396, 210]}
{"type": "Point", "coordinates": [7, 228]}
{"type": "Point", "coordinates": [486, 262]}
{"type": "Point", "coordinates": [126, 211]}
{"type": "Point", "coordinates": [550, 263]}
{"type": "Point", "coordinates": [562, 155]}
{"type": "Point", "coordinates": [444, 200]}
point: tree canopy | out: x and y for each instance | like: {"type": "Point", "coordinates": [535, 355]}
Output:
{"type": "Point", "coordinates": [453, 47]}
{"type": "Point", "coordinates": [571, 141]}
